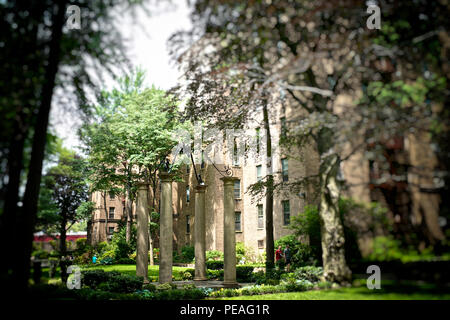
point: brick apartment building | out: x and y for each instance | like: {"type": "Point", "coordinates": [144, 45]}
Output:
{"type": "Point", "coordinates": [250, 213]}
{"type": "Point", "coordinates": [416, 202]}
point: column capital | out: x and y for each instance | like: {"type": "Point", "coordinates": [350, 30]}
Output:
{"type": "Point", "coordinates": [166, 176]}
{"type": "Point", "coordinates": [200, 188]}
{"type": "Point", "coordinates": [229, 180]}
{"type": "Point", "coordinates": [143, 185]}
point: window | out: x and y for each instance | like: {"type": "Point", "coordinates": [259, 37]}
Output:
{"type": "Point", "coordinates": [111, 212]}
{"type": "Point", "coordinates": [286, 212]}
{"type": "Point", "coordinates": [188, 224]}
{"type": "Point", "coordinates": [202, 165]}
{"type": "Point", "coordinates": [237, 189]}
{"type": "Point", "coordinates": [258, 140]}
{"type": "Point", "coordinates": [260, 244]}
{"type": "Point", "coordinates": [238, 221]}
{"type": "Point", "coordinates": [235, 154]}
{"type": "Point", "coordinates": [188, 194]}
{"type": "Point", "coordinates": [111, 196]}
{"type": "Point", "coordinates": [110, 230]}
{"type": "Point", "coordinates": [259, 172]}
{"type": "Point", "coordinates": [260, 216]}
{"type": "Point", "coordinates": [284, 169]}
{"type": "Point", "coordinates": [283, 127]}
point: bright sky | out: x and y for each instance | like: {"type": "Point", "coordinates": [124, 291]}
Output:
{"type": "Point", "coordinates": [146, 39]}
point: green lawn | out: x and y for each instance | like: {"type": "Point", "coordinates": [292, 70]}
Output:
{"type": "Point", "coordinates": [130, 269]}
{"type": "Point", "coordinates": [359, 293]}
{"type": "Point", "coordinates": [153, 271]}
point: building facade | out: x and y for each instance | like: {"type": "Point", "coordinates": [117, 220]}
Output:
{"type": "Point", "coordinates": [249, 211]}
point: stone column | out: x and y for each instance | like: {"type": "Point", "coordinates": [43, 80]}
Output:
{"type": "Point", "coordinates": [229, 235]}
{"type": "Point", "coordinates": [200, 233]}
{"type": "Point", "coordinates": [142, 233]}
{"type": "Point", "coordinates": [166, 229]}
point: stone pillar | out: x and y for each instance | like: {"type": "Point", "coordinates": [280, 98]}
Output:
{"type": "Point", "coordinates": [142, 233]}
{"type": "Point", "coordinates": [229, 233]}
{"type": "Point", "coordinates": [166, 229]}
{"type": "Point", "coordinates": [200, 233]}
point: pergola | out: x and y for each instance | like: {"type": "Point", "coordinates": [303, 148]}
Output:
{"type": "Point", "coordinates": [166, 229]}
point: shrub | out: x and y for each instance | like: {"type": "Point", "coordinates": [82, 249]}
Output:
{"type": "Point", "coordinates": [92, 278]}
{"type": "Point", "coordinates": [81, 245]}
{"type": "Point", "coordinates": [163, 287]}
{"type": "Point", "coordinates": [180, 294]}
{"type": "Point", "coordinates": [125, 261]}
{"type": "Point", "coordinates": [40, 254]}
{"type": "Point", "coordinates": [214, 274]}
{"type": "Point", "coordinates": [191, 271]}
{"type": "Point", "coordinates": [244, 273]}
{"type": "Point", "coordinates": [274, 274]}
{"type": "Point", "coordinates": [187, 276]}
{"type": "Point", "coordinates": [123, 283]}
{"type": "Point", "coordinates": [132, 256]}
{"type": "Point", "coordinates": [54, 254]}
{"type": "Point", "coordinates": [187, 253]}
{"type": "Point", "coordinates": [240, 252]}
{"type": "Point", "coordinates": [259, 277]}
{"type": "Point", "coordinates": [302, 254]}
{"type": "Point", "coordinates": [106, 261]}
{"type": "Point", "coordinates": [214, 255]}
{"type": "Point", "coordinates": [214, 264]}
{"type": "Point", "coordinates": [111, 281]}
{"type": "Point", "coordinates": [313, 274]}
{"type": "Point", "coordinates": [101, 246]}
{"type": "Point", "coordinates": [288, 276]}
{"type": "Point", "coordinates": [149, 287]}
{"type": "Point", "coordinates": [324, 285]}
{"type": "Point", "coordinates": [106, 254]}
{"type": "Point", "coordinates": [189, 286]}
{"type": "Point", "coordinates": [84, 258]}
{"type": "Point", "coordinates": [390, 249]}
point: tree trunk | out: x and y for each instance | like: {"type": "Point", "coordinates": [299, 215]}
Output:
{"type": "Point", "coordinates": [129, 214]}
{"type": "Point", "coordinates": [63, 250]}
{"type": "Point", "coordinates": [22, 122]}
{"type": "Point", "coordinates": [150, 240]}
{"type": "Point", "coordinates": [27, 217]}
{"type": "Point", "coordinates": [8, 220]}
{"type": "Point", "coordinates": [106, 215]}
{"type": "Point", "coordinates": [270, 258]}
{"type": "Point", "coordinates": [332, 231]}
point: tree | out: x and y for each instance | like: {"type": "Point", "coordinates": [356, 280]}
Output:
{"type": "Point", "coordinates": [42, 55]}
{"type": "Point", "coordinates": [130, 139]}
{"type": "Point", "coordinates": [314, 53]}
{"type": "Point", "coordinates": [69, 193]}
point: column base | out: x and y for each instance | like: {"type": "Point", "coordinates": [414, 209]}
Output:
{"type": "Point", "coordinates": [200, 278]}
{"type": "Point", "coordinates": [230, 284]}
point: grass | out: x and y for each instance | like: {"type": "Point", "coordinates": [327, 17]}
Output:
{"type": "Point", "coordinates": [389, 292]}
{"type": "Point", "coordinates": [153, 271]}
